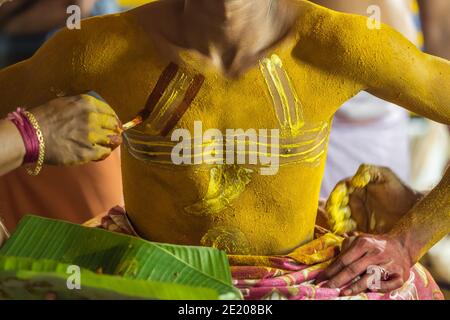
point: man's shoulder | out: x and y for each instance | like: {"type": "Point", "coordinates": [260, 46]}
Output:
{"type": "Point", "coordinates": [324, 25]}
{"type": "Point", "coordinates": [328, 37]}
{"type": "Point", "coordinates": [112, 27]}
{"type": "Point", "coordinates": [99, 41]}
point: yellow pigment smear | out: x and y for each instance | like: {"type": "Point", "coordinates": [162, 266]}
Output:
{"type": "Point", "coordinates": [284, 96]}
{"type": "Point", "coordinates": [228, 239]}
{"type": "Point", "coordinates": [330, 58]}
{"type": "Point", "coordinates": [226, 183]}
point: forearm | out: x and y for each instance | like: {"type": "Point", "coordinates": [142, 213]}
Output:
{"type": "Point", "coordinates": [428, 221]}
{"type": "Point", "coordinates": [12, 148]}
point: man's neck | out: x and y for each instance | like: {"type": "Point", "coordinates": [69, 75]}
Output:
{"type": "Point", "coordinates": [223, 29]}
{"type": "Point", "coordinates": [229, 16]}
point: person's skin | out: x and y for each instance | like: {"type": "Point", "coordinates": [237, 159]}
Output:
{"type": "Point", "coordinates": [76, 130]}
{"type": "Point", "coordinates": [436, 26]}
{"type": "Point", "coordinates": [373, 206]}
{"type": "Point", "coordinates": [413, 223]}
{"type": "Point", "coordinates": [396, 14]}
{"type": "Point", "coordinates": [12, 149]}
{"type": "Point", "coordinates": [336, 55]}
{"type": "Point", "coordinates": [368, 208]}
{"type": "Point", "coordinates": [31, 21]}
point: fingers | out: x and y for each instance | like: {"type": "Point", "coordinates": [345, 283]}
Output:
{"type": "Point", "coordinates": [99, 106]}
{"type": "Point", "coordinates": [338, 210]}
{"type": "Point", "coordinates": [392, 284]}
{"type": "Point", "coordinates": [359, 286]}
{"type": "Point", "coordinates": [367, 174]}
{"type": "Point", "coordinates": [350, 272]}
{"type": "Point", "coordinates": [105, 121]}
{"type": "Point", "coordinates": [345, 208]}
{"type": "Point", "coordinates": [104, 130]}
{"type": "Point", "coordinates": [105, 138]}
{"type": "Point", "coordinates": [100, 153]}
{"type": "Point", "coordinates": [115, 142]}
{"type": "Point", "coordinates": [368, 282]}
{"type": "Point", "coordinates": [355, 252]}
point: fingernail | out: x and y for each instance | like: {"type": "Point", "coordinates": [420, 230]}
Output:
{"type": "Point", "coordinates": [347, 292]}
{"type": "Point", "coordinates": [115, 140]}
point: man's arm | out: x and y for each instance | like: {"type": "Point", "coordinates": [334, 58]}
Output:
{"type": "Point", "coordinates": [56, 70]}
{"type": "Point", "coordinates": [12, 148]}
{"type": "Point", "coordinates": [392, 68]}
{"type": "Point", "coordinates": [397, 250]}
{"type": "Point", "coordinates": [428, 222]}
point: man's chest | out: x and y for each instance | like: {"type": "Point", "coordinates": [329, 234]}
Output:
{"type": "Point", "coordinates": [275, 93]}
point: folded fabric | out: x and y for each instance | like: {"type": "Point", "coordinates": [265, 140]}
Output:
{"type": "Point", "coordinates": [293, 277]}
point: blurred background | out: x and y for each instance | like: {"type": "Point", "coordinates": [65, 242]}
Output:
{"type": "Point", "coordinates": [26, 24]}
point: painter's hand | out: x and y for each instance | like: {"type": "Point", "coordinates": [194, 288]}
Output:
{"type": "Point", "coordinates": [363, 256]}
{"type": "Point", "coordinates": [78, 130]}
{"type": "Point", "coordinates": [372, 201]}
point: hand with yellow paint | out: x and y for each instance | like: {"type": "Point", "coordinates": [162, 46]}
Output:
{"type": "Point", "coordinates": [78, 130]}
{"type": "Point", "coordinates": [409, 226]}
{"type": "Point", "coordinates": [372, 201]}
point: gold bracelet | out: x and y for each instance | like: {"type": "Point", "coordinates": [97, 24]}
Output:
{"type": "Point", "coordinates": [40, 162]}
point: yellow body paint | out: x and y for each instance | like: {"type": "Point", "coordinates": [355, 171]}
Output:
{"type": "Point", "coordinates": [329, 58]}
{"type": "Point", "coordinates": [226, 184]}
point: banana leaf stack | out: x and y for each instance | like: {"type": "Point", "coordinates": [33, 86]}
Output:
{"type": "Point", "coordinates": [50, 259]}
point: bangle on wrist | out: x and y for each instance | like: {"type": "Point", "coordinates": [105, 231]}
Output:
{"type": "Point", "coordinates": [32, 137]}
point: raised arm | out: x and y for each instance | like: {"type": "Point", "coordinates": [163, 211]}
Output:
{"type": "Point", "coordinates": [392, 68]}
{"type": "Point", "coordinates": [384, 63]}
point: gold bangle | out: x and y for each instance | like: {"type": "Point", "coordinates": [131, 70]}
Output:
{"type": "Point", "coordinates": [40, 162]}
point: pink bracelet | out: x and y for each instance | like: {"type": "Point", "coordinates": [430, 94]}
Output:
{"type": "Point", "coordinates": [28, 133]}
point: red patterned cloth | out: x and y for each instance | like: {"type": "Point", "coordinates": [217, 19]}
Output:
{"type": "Point", "coordinates": [292, 277]}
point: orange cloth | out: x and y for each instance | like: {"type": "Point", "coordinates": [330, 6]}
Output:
{"type": "Point", "coordinates": [74, 194]}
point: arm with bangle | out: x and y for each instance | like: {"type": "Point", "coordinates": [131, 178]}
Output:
{"type": "Point", "coordinates": [22, 142]}
{"type": "Point", "coordinates": [19, 144]}
{"type": "Point", "coordinates": [12, 148]}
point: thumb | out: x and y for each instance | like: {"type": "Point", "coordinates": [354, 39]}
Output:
{"type": "Point", "coordinates": [369, 174]}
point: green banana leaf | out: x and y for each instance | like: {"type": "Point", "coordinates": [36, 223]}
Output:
{"type": "Point", "coordinates": [29, 279]}
{"type": "Point", "coordinates": [110, 253]}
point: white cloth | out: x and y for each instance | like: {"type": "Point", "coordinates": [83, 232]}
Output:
{"type": "Point", "coordinates": [380, 138]}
